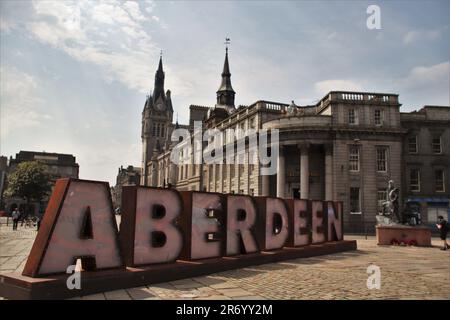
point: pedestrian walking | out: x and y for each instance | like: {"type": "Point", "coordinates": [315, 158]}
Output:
{"type": "Point", "coordinates": [15, 218]}
{"type": "Point", "coordinates": [442, 225]}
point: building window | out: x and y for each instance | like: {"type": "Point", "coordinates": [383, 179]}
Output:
{"type": "Point", "coordinates": [436, 144]}
{"type": "Point", "coordinates": [439, 180]}
{"type": "Point", "coordinates": [352, 116]}
{"type": "Point", "coordinates": [378, 117]}
{"type": "Point", "coordinates": [381, 159]}
{"type": "Point", "coordinates": [414, 180]}
{"type": "Point", "coordinates": [381, 198]}
{"type": "Point", "coordinates": [252, 192]}
{"type": "Point", "coordinates": [412, 144]}
{"type": "Point", "coordinates": [354, 158]}
{"type": "Point", "coordinates": [158, 129]}
{"type": "Point", "coordinates": [355, 205]}
{"type": "Point", "coordinates": [252, 123]}
{"type": "Point", "coordinates": [194, 169]}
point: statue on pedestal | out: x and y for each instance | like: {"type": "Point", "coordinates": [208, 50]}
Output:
{"type": "Point", "coordinates": [390, 206]}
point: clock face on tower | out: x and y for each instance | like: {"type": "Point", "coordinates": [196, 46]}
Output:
{"type": "Point", "coordinates": [160, 106]}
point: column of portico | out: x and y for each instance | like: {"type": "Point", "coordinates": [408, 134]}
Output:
{"type": "Point", "coordinates": [190, 163]}
{"type": "Point", "coordinates": [304, 171]}
{"type": "Point", "coordinates": [328, 172]}
{"type": "Point", "coordinates": [247, 176]}
{"type": "Point", "coordinates": [264, 184]}
{"type": "Point", "coordinates": [208, 176]}
{"type": "Point", "coordinates": [172, 175]}
{"type": "Point", "coordinates": [221, 176]}
{"type": "Point", "coordinates": [214, 168]}
{"type": "Point", "coordinates": [281, 174]}
{"type": "Point", "coordinates": [228, 170]}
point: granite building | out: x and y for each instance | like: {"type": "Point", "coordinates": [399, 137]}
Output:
{"type": "Point", "coordinates": [129, 176]}
{"type": "Point", "coordinates": [346, 147]}
{"type": "Point", "coordinates": [426, 161]}
{"type": "Point", "coordinates": [57, 165]}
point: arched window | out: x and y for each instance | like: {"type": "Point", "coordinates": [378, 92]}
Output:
{"type": "Point", "coordinates": [158, 128]}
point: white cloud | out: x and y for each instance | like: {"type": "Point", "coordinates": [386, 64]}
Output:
{"type": "Point", "coordinates": [438, 73]}
{"type": "Point", "coordinates": [421, 35]}
{"type": "Point", "coordinates": [111, 35]}
{"type": "Point", "coordinates": [133, 9]}
{"type": "Point", "coordinates": [20, 100]}
{"type": "Point", "coordinates": [325, 86]}
{"type": "Point", "coordinates": [425, 85]}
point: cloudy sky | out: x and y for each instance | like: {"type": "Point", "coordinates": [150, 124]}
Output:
{"type": "Point", "coordinates": [74, 75]}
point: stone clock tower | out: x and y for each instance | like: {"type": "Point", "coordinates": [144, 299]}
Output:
{"type": "Point", "coordinates": [157, 125]}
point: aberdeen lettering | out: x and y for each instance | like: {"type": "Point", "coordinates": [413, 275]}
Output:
{"type": "Point", "coordinates": [162, 226]}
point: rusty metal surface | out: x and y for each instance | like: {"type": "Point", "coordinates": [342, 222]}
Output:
{"type": "Point", "coordinates": [299, 222]}
{"type": "Point", "coordinates": [60, 242]}
{"type": "Point", "coordinates": [202, 223]}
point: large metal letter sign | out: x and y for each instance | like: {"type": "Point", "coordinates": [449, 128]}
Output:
{"type": "Point", "coordinates": [165, 235]}
{"type": "Point", "coordinates": [148, 216]}
{"type": "Point", "coordinates": [79, 224]}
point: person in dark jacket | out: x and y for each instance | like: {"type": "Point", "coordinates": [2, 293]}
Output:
{"type": "Point", "coordinates": [443, 230]}
{"type": "Point", "coordinates": [15, 218]}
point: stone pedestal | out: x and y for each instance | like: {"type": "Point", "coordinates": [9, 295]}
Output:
{"type": "Point", "coordinates": [387, 235]}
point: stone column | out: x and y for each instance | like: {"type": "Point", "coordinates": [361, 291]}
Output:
{"type": "Point", "coordinates": [281, 174]}
{"type": "Point", "coordinates": [328, 172]}
{"type": "Point", "coordinates": [221, 177]}
{"type": "Point", "coordinates": [172, 176]}
{"type": "Point", "coordinates": [208, 176]}
{"type": "Point", "coordinates": [264, 185]}
{"type": "Point", "coordinates": [304, 171]}
{"type": "Point", "coordinates": [190, 164]}
{"type": "Point", "coordinates": [229, 178]}
{"type": "Point", "coordinates": [214, 168]}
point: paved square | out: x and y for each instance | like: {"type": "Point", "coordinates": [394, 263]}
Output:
{"type": "Point", "coordinates": [406, 273]}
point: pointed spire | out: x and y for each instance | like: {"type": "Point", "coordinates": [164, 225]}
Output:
{"type": "Point", "coordinates": [226, 67]}
{"type": "Point", "coordinates": [159, 81]}
{"type": "Point", "coordinates": [225, 94]}
{"type": "Point", "coordinates": [160, 66]}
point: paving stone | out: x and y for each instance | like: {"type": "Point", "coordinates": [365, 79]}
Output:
{"type": "Point", "coordinates": [224, 285]}
{"type": "Point", "coordinates": [140, 293]}
{"type": "Point", "coordinates": [234, 292]}
{"type": "Point", "coordinates": [216, 297]}
{"type": "Point", "coordinates": [97, 296]}
{"type": "Point", "coordinates": [406, 273]}
{"type": "Point", "coordinates": [249, 298]}
{"type": "Point", "coordinates": [117, 295]}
